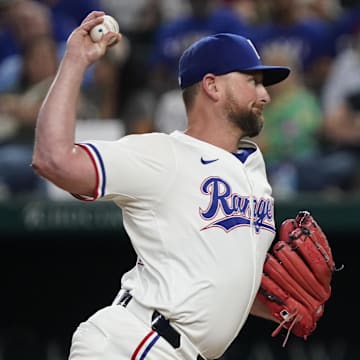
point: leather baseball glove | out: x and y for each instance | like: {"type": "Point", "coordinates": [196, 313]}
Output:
{"type": "Point", "coordinates": [297, 274]}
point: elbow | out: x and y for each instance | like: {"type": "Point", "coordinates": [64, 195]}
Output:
{"type": "Point", "coordinates": [38, 167]}
{"type": "Point", "coordinates": [44, 166]}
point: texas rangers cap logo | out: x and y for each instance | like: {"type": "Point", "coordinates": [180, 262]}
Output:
{"type": "Point", "coordinates": [253, 47]}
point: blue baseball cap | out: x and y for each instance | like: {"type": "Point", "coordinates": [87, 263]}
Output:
{"type": "Point", "coordinates": [221, 54]}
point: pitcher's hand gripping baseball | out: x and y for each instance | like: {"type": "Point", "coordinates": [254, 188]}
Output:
{"type": "Point", "coordinates": [297, 276]}
{"type": "Point", "coordinates": [85, 44]}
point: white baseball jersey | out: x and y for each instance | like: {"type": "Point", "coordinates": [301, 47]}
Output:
{"type": "Point", "coordinates": [200, 219]}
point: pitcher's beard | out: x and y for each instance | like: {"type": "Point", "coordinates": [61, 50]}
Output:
{"type": "Point", "coordinates": [249, 121]}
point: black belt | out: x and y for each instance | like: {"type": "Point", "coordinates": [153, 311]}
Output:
{"type": "Point", "coordinates": [159, 324]}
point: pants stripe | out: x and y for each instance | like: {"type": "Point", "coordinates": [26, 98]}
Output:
{"type": "Point", "coordinates": [141, 344]}
{"type": "Point", "coordinates": [148, 348]}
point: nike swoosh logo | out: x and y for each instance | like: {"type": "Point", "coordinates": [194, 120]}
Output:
{"type": "Point", "coordinates": [205, 162]}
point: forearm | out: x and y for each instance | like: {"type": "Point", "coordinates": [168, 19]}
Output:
{"type": "Point", "coordinates": [55, 130]}
{"type": "Point", "coordinates": [57, 115]}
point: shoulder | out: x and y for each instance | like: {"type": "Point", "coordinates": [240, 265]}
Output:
{"type": "Point", "coordinates": [147, 140]}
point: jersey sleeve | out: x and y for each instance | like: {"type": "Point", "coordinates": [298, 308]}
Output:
{"type": "Point", "coordinates": [133, 168]}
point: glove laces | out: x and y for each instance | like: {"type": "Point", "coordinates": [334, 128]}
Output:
{"type": "Point", "coordinates": [293, 318]}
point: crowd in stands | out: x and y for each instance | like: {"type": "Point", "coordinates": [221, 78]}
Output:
{"type": "Point", "coordinates": [311, 137]}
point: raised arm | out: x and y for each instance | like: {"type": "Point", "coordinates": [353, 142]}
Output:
{"type": "Point", "coordinates": [55, 156]}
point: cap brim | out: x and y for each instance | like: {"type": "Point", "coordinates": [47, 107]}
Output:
{"type": "Point", "coordinates": [272, 74]}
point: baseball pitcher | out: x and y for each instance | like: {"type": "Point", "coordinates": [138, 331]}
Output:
{"type": "Point", "coordinates": [196, 205]}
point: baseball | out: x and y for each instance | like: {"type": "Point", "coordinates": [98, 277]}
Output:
{"type": "Point", "coordinates": [98, 31]}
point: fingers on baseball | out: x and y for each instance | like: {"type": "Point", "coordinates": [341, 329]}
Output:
{"type": "Point", "coordinates": [91, 20]}
{"type": "Point", "coordinates": [94, 15]}
{"type": "Point", "coordinates": [111, 38]}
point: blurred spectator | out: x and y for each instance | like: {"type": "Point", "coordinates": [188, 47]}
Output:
{"type": "Point", "coordinates": [134, 103]}
{"type": "Point", "coordinates": [308, 36]}
{"type": "Point", "coordinates": [138, 113]}
{"type": "Point", "coordinates": [126, 78]}
{"type": "Point", "coordinates": [341, 103]}
{"type": "Point", "coordinates": [328, 10]}
{"type": "Point", "coordinates": [170, 113]}
{"type": "Point", "coordinates": [139, 20]}
{"type": "Point", "coordinates": [206, 17]}
{"type": "Point", "coordinates": [292, 120]}
{"type": "Point", "coordinates": [289, 140]}
{"type": "Point", "coordinates": [108, 92]}
{"type": "Point", "coordinates": [250, 11]}
{"type": "Point", "coordinates": [344, 76]}
{"type": "Point", "coordinates": [39, 67]}
{"type": "Point", "coordinates": [18, 113]}
{"type": "Point", "coordinates": [136, 14]}
{"type": "Point", "coordinates": [22, 20]}
{"type": "Point", "coordinates": [344, 24]}
{"type": "Point", "coordinates": [65, 16]}
{"type": "Point", "coordinates": [68, 14]}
